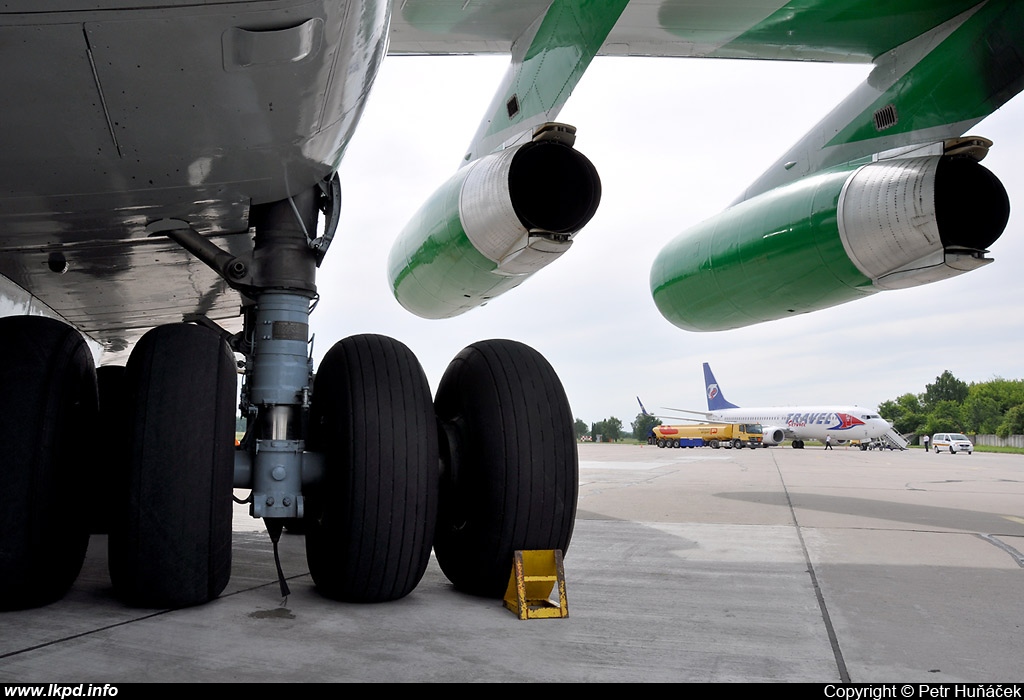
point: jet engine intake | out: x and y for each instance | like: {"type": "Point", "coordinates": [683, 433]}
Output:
{"type": "Point", "coordinates": [772, 435]}
{"type": "Point", "coordinates": [910, 221]}
{"type": "Point", "coordinates": [829, 238]}
{"type": "Point", "coordinates": [492, 225]}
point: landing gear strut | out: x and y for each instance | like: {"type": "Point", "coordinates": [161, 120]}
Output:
{"type": "Point", "coordinates": [360, 459]}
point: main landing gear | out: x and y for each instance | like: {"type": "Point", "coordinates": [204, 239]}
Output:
{"type": "Point", "coordinates": [170, 534]}
{"type": "Point", "coordinates": [48, 388]}
{"type": "Point", "coordinates": [361, 459]}
{"type": "Point", "coordinates": [370, 522]}
{"type": "Point", "coordinates": [509, 471]}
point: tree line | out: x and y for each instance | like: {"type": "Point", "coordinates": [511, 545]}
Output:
{"type": "Point", "coordinates": [949, 404]}
{"type": "Point", "coordinates": [611, 429]}
{"type": "Point", "coordinates": [995, 407]}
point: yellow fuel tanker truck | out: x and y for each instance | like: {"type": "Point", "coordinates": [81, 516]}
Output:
{"type": "Point", "coordinates": [714, 435]}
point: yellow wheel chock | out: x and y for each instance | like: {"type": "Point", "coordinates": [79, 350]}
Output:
{"type": "Point", "coordinates": [534, 575]}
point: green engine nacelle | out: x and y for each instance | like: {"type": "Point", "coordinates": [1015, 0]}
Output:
{"type": "Point", "coordinates": [830, 238]}
{"type": "Point", "coordinates": [491, 226]}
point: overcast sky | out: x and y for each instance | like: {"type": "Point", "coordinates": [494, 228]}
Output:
{"type": "Point", "coordinates": [675, 141]}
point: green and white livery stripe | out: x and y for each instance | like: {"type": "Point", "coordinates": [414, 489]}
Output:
{"type": "Point", "coordinates": [769, 257]}
{"type": "Point", "coordinates": [974, 70]}
{"type": "Point", "coordinates": [491, 226]}
{"type": "Point", "coordinates": [934, 87]}
{"type": "Point", "coordinates": [830, 238]}
{"type": "Point", "coordinates": [548, 61]}
{"type": "Point", "coordinates": [433, 261]}
{"type": "Point", "coordinates": [848, 31]}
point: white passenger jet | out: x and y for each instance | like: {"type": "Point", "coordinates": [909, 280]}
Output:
{"type": "Point", "coordinates": [796, 423]}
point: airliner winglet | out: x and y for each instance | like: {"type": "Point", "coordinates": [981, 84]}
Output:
{"type": "Point", "coordinates": [645, 412]}
{"type": "Point", "coordinates": [642, 409]}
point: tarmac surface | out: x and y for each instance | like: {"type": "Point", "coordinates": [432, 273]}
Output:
{"type": "Point", "coordinates": [687, 565]}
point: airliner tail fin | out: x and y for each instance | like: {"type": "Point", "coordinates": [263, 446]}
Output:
{"type": "Point", "coordinates": [716, 401]}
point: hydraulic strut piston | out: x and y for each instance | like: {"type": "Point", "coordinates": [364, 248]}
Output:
{"type": "Point", "coordinates": [278, 386]}
{"type": "Point", "coordinates": [280, 372]}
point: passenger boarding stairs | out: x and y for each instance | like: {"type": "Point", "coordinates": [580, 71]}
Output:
{"type": "Point", "coordinates": [893, 440]}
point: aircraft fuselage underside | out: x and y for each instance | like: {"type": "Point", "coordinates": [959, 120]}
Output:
{"type": "Point", "coordinates": [255, 106]}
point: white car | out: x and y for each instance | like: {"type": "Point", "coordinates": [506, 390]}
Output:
{"type": "Point", "coordinates": [952, 442]}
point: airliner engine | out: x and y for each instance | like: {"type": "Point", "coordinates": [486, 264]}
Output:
{"type": "Point", "coordinates": [772, 435]}
{"type": "Point", "coordinates": [492, 225]}
{"type": "Point", "coordinates": [832, 237]}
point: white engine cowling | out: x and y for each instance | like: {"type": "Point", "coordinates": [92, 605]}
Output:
{"type": "Point", "coordinates": [911, 221]}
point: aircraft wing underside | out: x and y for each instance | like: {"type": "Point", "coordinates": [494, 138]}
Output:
{"type": "Point", "coordinates": [198, 112]}
{"type": "Point", "coordinates": [846, 31]}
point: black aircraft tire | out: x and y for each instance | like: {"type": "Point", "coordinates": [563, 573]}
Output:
{"type": "Point", "coordinates": [170, 536]}
{"type": "Point", "coordinates": [510, 480]}
{"type": "Point", "coordinates": [48, 391]}
{"type": "Point", "coordinates": [370, 525]}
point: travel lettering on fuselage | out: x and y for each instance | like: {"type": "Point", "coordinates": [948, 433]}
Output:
{"type": "Point", "coordinates": [804, 419]}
